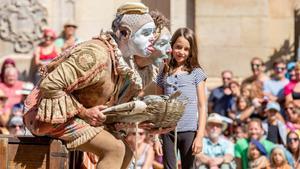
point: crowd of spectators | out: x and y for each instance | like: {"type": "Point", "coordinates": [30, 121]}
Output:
{"type": "Point", "coordinates": [253, 123]}
{"type": "Point", "coordinates": [14, 91]}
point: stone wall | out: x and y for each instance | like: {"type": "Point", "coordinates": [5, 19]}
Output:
{"type": "Point", "coordinates": [230, 32]}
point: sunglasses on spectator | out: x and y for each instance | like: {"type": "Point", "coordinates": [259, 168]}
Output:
{"type": "Point", "coordinates": [255, 66]}
{"type": "Point", "coordinates": [15, 126]}
{"type": "Point", "coordinates": [139, 133]}
{"type": "Point", "coordinates": [280, 69]}
{"type": "Point", "coordinates": [289, 108]}
{"type": "Point", "coordinates": [48, 37]}
{"type": "Point", "coordinates": [226, 78]}
{"type": "Point", "coordinates": [289, 140]}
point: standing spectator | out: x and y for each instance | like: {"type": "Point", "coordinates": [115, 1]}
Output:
{"type": "Point", "coordinates": [274, 125]}
{"type": "Point", "coordinates": [45, 52]}
{"type": "Point", "coordinates": [184, 74]}
{"type": "Point", "coordinates": [68, 37]}
{"type": "Point", "coordinates": [6, 64]}
{"type": "Point", "coordinates": [293, 146]}
{"type": "Point", "coordinates": [10, 86]}
{"type": "Point", "coordinates": [256, 132]}
{"type": "Point", "coordinates": [257, 68]}
{"type": "Point", "coordinates": [273, 88]}
{"type": "Point", "coordinates": [278, 159]}
{"type": "Point", "coordinates": [217, 151]}
{"type": "Point", "coordinates": [219, 99]}
{"type": "Point", "coordinates": [257, 155]}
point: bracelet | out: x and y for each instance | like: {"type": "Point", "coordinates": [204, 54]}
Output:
{"type": "Point", "coordinates": [155, 139]}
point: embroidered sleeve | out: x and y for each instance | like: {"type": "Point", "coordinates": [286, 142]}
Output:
{"type": "Point", "coordinates": [81, 69]}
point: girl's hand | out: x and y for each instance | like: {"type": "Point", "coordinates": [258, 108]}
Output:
{"type": "Point", "coordinates": [197, 145]}
{"type": "Point", "coordinates": [158, 148]}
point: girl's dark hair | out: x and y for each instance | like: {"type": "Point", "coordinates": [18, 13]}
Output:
{"type": "Point", "coordinates": [192, 60]}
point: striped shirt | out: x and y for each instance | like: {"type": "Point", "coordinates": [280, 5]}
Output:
{"type": "Point", "coordinates": [187, 84]}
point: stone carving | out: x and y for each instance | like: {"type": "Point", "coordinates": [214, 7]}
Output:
{"type": "Point", "coordinates": [22, 22]}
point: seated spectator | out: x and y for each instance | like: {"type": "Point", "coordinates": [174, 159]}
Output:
{"type": "Point", "coordinates": [291, 73]}
{"type": "Point", "coordinates": [18, 108]}
{"type": "Point", "coordinates": [45, 52]}
{"type": "Point", "coordinates": [292, 117]}
{"type": "Point", "coordinates": [256, 132]}
{"type": "Point", "coordinates": [235, 89]}
{"type": "Point", "coordinates": [257, 155]}
{"type": "Point", "coordinates": [258, 75]}
{"type": "Point", "coordinates": [218, 101]}
{"type": "Point", "coordinates": [6, 64]}
{"type": "Point", "coordinates": [293, 91]}
{"type": "Point", "coordinates": [273, 88]}
{"type": "Point", "coordinates": [10, 86]}
{"type": "Point", "coordinates": [239, 132]}
{"type": "Point", "coordinates": [16, 125]}
{"type": "Point", "coordinates": [143, 151]}
{"type": "Point", "coordinates": [293, 146]}
{"type": "Point", "coordinates": [274, 126]}
{"type": "Point", "coordinates": [278, 159]}
{"type": "Point", "coordinates": [68, 37]}
{"type": "Point", "coordinates": [217, 151]}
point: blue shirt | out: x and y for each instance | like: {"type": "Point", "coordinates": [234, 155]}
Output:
{"type": "Point", "coordinates": [221, 102]}
{"type": "Point", "coordinates": [218, 149]}
{"type": "Point", "coordinates": [275, 87]}
{"type": "Point", "coordinates": [187, 84]}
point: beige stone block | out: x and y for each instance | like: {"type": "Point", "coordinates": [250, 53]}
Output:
{"type": "Point", "coordinates": [216, 59]}
{"type": "Point", "coordinates": [281, 8]}
{"type": "Point", "coordinates": [279, 30]}
{"type": "Point", "coordinates": [253, 32]}
{"type": "Point", "coordinates": [219, 31]}
{"type": "Point", "coordinates": [231, 7]}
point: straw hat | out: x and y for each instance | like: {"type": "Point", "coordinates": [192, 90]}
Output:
{"type": "Point", "coordinates": [70, 23]}
{"type": "Point", "coordinates": [216, 118]}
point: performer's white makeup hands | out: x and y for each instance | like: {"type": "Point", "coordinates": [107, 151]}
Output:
{"type": "Point", "coordinates": [94, 116]}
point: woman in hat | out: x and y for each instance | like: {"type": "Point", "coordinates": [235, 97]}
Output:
{"type": "Point", "coordinates": [67, 38]}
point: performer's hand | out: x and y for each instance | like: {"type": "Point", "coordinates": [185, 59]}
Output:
{"type": "Point", "coordinates": [93, 115]}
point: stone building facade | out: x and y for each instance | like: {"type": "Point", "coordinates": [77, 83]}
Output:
{"type": "Point", "coordinates": [230, 32]}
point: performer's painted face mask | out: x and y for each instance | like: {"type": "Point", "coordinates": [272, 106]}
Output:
{"type": "Point", "coordinates": [141, 42]}
{"type": "Point", "coordinates": [162, 47]}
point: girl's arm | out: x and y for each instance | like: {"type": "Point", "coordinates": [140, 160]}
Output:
{"type": "Point", "coordinates": [197, 145]}
{"type": "Point", "coordinates": [149, 158]}
{"type": "Point", "coordinates": [36, 56]}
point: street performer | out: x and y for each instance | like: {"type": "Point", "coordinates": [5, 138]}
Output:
{"type": "Point", "coordinates": [88, 78]}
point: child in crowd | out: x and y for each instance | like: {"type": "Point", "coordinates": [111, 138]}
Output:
{"type": "Point", "coordinates": [278, 159]}
{"type": "Point", "coordinates": [257, 156]}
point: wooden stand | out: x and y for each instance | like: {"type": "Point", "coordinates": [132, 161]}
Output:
{"type": "Point", "coordinates": [30, 152]}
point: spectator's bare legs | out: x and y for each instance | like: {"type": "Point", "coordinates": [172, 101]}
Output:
{"type": "Point", "coordinates": [111, 151]}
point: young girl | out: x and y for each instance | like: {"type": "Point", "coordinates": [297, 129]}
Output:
{"type": "Point", "coordinates": [278, 159]}
{"type": "Point", "coordinates": [185, 74]}
{"type": "Point", "coordinates": [257, 156]}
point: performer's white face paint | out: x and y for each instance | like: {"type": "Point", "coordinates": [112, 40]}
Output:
{"type": "Point", "coordinates": [162, 46]}
{"type": "Point", "coordinates": [141, 41]}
